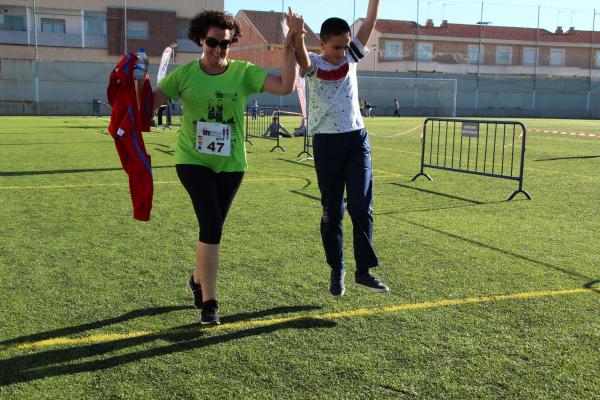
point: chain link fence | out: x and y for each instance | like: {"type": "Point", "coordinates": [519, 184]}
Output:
{"type": "Point", "coordinates": [437, 58]}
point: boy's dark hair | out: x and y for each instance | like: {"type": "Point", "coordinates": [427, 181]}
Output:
{"type": "Point", "coordinates": [203, 21]}
{"type": "Point", "coordinates": [333, 27]}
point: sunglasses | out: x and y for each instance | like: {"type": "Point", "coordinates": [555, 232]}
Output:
{"type": "Point", "coordinates": [212, 43]}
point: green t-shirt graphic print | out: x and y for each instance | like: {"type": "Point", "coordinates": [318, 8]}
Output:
{"type": "Point", "coordinates": [218, 99]}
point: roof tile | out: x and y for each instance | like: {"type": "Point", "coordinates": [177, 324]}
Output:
{"type": "Point", "coordinates": [489, 32]}
{"type": "Point", "coordinates": [268, 24]}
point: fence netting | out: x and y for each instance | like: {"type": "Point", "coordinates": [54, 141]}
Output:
{"type": "Point", "coordinates": [436, 58]}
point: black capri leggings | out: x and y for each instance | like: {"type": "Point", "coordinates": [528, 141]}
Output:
{"type": "Point", "coordinates": [211, 193]}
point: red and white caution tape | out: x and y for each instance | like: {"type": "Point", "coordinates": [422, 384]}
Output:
{"type": "Point", "coordinates": [553, 132]}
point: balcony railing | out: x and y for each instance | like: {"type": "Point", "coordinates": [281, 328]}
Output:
{"type": "Point", "coordinates": [96, 41]}
{"type": "Point", "coordinates": [59, 39]}
{"type": "Point", "coordinates": [54, 39]}
{"type": "Point", "coordinates": [13, 37]}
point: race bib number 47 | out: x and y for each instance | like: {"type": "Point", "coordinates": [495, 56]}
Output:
{"type": "Point", "coordinates": [212, 138]}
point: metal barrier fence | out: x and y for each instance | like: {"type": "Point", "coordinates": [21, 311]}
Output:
{"type": "Point", "coordinates": [258, 124]}
{"type": "Point", "coordinates": [307, 142]}
{"type": "Point", "coordinates": [481, 147]}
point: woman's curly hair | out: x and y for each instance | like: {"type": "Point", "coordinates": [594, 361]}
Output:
{"type": "Point", "coordinates": [203, 21]}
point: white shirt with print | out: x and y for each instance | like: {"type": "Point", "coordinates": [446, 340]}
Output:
{"type": "Point", "coordinates": [333, 93]}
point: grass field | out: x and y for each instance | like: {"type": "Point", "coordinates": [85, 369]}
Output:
{"type": "Point", "coordinates": [489, 299]}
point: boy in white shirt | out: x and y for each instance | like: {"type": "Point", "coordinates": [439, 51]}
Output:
{"type": "Point", "coordinates": [341, 146]}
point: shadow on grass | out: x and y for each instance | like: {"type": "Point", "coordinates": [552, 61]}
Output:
{"type": "Point", "coordinates": [311, 166]}
{"type": "Point", "coordinates": [69, 361]}
{"type": "Point", "coordinates": [308, 196]}
{"type": "Point", "coordinates": [25, 133]}
{"type": "Point", "coordinates": [449, 196]}
{"type": "Point", "coordinates": [409, 211]}
{"type": "Point", "coordinates": [574, 274]}
{"type": "Point", "coordinates": [167, 152]}
{"type": "Point", "coordinates": [592, 285]}
{"type": "Point", "coordinates": [568, 158]}
{"type": "Point", "coordinates": [54, 143]}
{"type": "Point", "coordinates": [72, 330]}
{"type": "Point", "coordinates": [70, 171]}
{"type": "Point", "coordinates": [96, 126]}
{"type": "Point", "coordinates": [470, 202]}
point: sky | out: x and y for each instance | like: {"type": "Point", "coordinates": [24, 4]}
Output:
{"type": "Point", "coordinates": [524, 13]}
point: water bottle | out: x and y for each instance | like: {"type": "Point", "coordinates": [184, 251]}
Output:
{"type": "Point", "coordinates": [139, 70]}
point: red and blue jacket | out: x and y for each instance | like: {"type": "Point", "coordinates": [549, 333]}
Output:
{"type": "Point", "coordinates": [127, 122]}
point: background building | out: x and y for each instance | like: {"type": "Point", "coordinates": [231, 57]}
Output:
{"type": "Point", "coordinates": [455, 49]}
{"type": "Point", "coordinates": [498, 71]}
{"type": "Point", "coordinates": [262, 38]}
{"type": "Point", "coordinates": [56, 55]}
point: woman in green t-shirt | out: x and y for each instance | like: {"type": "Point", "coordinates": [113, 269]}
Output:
{"type": "Point", "coordinates": [210, 156]}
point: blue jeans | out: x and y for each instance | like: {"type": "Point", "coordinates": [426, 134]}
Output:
{"type": "Point", "coordinates": [343, 162]}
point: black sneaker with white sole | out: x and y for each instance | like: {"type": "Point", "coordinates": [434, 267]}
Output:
{"type": "Point", "coordinates": [210, 313]}
{"type": "Point", "coordinates": [196, 291]}
{"type": "Point", "coordinates": [370, 282]}
{"type": "Point", "coordinates": [336, 283]}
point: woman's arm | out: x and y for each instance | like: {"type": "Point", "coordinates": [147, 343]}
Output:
{"type": "Point", "coordinates": [283, 84]}
{"type": "Point", "coordinates": [159, 97]}
{"type": "Point", "coordinates": [296, 24]}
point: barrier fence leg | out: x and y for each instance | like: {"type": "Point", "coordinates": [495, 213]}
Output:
{"type": "Point", "coordinates": [278, 146]}
{"type": "Point", "coordinates": [422, 173]}
{"type": "Point", "coordinates": [521, 170]}
{"type": "Point", "coordinates": [306, 146]}
{"type": "Point", "coordinates": [248, 127]}
{"type": "Point", "coordinates": [520, 190]}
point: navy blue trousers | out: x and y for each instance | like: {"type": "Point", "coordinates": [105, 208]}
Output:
{"type": "Point", "coordinates": [343, 162]}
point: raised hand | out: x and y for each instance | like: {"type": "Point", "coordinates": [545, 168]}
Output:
{"type": "Point", "coordinates": [295, 22]}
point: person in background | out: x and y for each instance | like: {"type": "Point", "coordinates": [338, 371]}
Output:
{"type": "Point", "coordinates": [301, 130]}
{"type": "Point", "coordinates": [276, 129]}
{"type": "Point", "coordinates": [396, 108]}
{"type": "Point", "coordinates": [368, 109]}
{"type": "Point", "coordinates": [361, 104]}
{"type": "Point", "coordinates": [255, 109]}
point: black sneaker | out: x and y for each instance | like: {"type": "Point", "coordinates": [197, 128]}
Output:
{"type": "Point", "coordinates": [370, 282]}
{"type": "Point", "coordinates": [210, 313]}
{"type": "Point", "coordinates": [196, 291]}
{"type": "Point", "coordinates": [336, 283]}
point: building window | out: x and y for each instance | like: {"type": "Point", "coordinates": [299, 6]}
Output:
{"type": "Point", "coordinates": [53, 25]}
{"type": "Point", "coordinates": [95, 23]}
{"type": "Point", "coordinates": [183, 26]}
{"type": "Point", "coordinates": [504, 55]}
{"type": "Point", "coordinates": [10, 22]}
{"type": "Point", "coordinates": [598, 58]}
{"type": "Point", "coordinates": [393, 51]}
{"type": "Point", "coordinates": [424, 51]}
{"type": "Point", "coordinates": [138, 30]}
{"type": "Point", "coordinates": [557, 57]}
{"type": "Point", "coordinates": [530, 56]}
{"type": "Point", "coordinates": [474, 54]}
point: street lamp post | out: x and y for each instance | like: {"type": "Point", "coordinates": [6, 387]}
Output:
{"type": "Point", "coordinates": [481, 23]}
{"type": "Point", "coordinates": [374, 49]}
{"type": "Point", "coordinates": [589, 92]}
